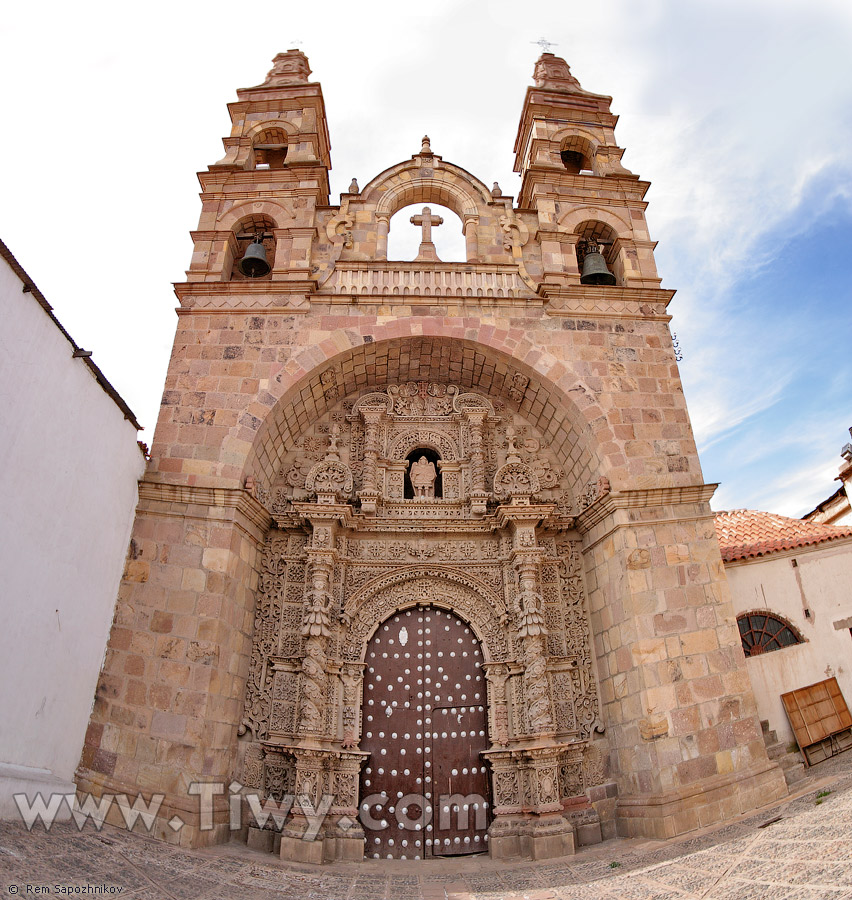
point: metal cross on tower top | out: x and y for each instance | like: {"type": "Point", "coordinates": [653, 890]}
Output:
{"type": "Point", "coordinates": [544, 44]}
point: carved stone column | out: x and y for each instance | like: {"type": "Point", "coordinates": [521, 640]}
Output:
{"type": "Point", "coordinates": [532, 632]}
{"type": "Point", "coordinates": [526, 558]}
{"type": "Point", "coordinates": [316, 726]}
{"type": "Point", "coordinates": [471, 240]}
{"type": "Point", "coordinates": [382, 229]}
{"type": "Point", "coordinates": [478, 494]}
{"type": "Point", "coordinates": [369, 494]}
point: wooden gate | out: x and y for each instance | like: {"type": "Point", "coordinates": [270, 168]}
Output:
{"type": "Point", "coordinates": [424, 788]}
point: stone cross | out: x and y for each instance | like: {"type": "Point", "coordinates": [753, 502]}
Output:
{"type": "Point", "coordinates": [426, 220]}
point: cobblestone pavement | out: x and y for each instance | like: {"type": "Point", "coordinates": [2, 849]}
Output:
{"type": "Point", "coordinates": [800, 849]}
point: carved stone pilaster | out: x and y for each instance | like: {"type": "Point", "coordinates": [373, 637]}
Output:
{"type": "Point", "coordinates": [498, 709]}
{"type": "Point", "coordinates": [352, 676]}
{"type": "Point", "coordinates": [505, 782]}
{"type": "Point", "coordinates": [323, 824]}
{"type": "Point", "coordinates": [253, 767]}
{"type": "Point", "coordinates": [369, 494]}
{"type": "Point", "coordinates": [542, 771]}
{"type": "Point", "coordinates": [527, 804]}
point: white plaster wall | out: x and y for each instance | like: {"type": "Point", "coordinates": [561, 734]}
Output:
{"type": "Point", "coordinates": [821, 582]}
{"type": "Point", "coordinates": [69, 466]}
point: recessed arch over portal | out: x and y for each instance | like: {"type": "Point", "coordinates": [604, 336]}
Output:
{"type": "Point", "coordinates": [560, 407]}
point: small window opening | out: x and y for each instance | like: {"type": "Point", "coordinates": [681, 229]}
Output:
{"type": "Point", "coordinates": [418, 486]}
{"type": "Point", "coordinates": [764, 632]}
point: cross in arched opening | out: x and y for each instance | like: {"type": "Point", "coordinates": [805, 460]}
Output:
{"type": "Point", "coordinates": [426, 220]}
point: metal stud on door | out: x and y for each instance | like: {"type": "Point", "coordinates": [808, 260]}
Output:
{"type": "Point", "coordinates": [424, 789]}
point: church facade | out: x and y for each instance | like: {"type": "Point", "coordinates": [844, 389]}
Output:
{"type": "Point", "coordinates": [426, 542]}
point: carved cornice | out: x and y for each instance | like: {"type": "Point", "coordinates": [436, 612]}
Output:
{"type": "Point", "coordinates": [325, 513]}
{"type": "Point", "coordinates": [643, 498]}
{"type": "Point", "coordinates": [238, 499]}
{"type": "Point", "coordinates": [289, 296]}
{"type": "Point", "coordinates": [599, 301]}
{"type": "Point", "coordinates": [531, 514]}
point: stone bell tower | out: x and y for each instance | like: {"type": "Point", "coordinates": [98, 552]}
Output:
{"type": "Point", "coordinates": [425, 544]}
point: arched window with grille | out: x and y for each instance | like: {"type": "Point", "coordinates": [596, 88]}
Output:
{"type": "Point", "coordinates": [762, 632]}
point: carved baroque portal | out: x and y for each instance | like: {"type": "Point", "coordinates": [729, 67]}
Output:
{"type": "Point", "coordinates": [360, 537]}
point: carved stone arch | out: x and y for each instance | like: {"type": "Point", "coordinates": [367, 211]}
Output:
{"type": "Point", "coordinates": [448, 185]}
{"type": "Point", "coordinates": [439, 586]}
{"type": "Point", "coordinates": [409, 440]}
{"type": "Point", "coordinates": [268, 124]}
{"type": "Point", "coordinates": [573, 219]}
{"type": "Point", "coordinates": [269, 208]}
{"type": "Point", "coordinates": [580, 141]}
{"type": "Point", "coordinates": [564, 135]}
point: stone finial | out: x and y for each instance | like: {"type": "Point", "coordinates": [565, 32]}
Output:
{"type": "Point", "coordinates": [552, 73]}
{"type": "Point", "coordinates": [289, 68]}
{"type": "Point", "coordinates": [426, 147]}
{"type": "Point", "coordinates": [496, 191]}
{"type": "Point", "coordinates": [353, 187]}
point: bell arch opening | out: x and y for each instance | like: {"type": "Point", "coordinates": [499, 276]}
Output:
{"type": "Point", "coordinates": [254, 251]}
{"type": "Point", "coordinates": [269, 148]}
{"type": "Point", "coordinates": [444, 229]}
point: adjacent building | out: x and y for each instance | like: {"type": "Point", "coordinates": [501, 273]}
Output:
{"type": "Point", "coordinates": [68, 488]}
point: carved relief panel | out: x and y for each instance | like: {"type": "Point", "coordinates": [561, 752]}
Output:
{"type": "Point", "coordinates": [381, 437]}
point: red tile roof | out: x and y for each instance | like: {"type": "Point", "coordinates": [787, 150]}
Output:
{"type": "Point", "coordinates": [744, 533]}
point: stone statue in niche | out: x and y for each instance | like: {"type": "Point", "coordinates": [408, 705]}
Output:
{"type": "Point", "coordinates": [423, 475]}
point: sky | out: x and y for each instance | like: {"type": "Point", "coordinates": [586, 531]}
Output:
{"type": "Point", "coordinates": [738, 113]}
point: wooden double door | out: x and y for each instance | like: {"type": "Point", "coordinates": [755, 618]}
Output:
{"type": "Point", "coordinates": [425, 788]}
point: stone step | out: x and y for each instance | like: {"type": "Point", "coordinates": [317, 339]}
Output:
{"type": "Point", "coordinates": [776, 750]}
{"type": "Point", "coordinates": [793, 768]}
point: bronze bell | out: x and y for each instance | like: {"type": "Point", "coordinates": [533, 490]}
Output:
{"type": "Point", "coordinates": [254, 264]}
{"type": "Point", "coordinates": [595, 270]}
